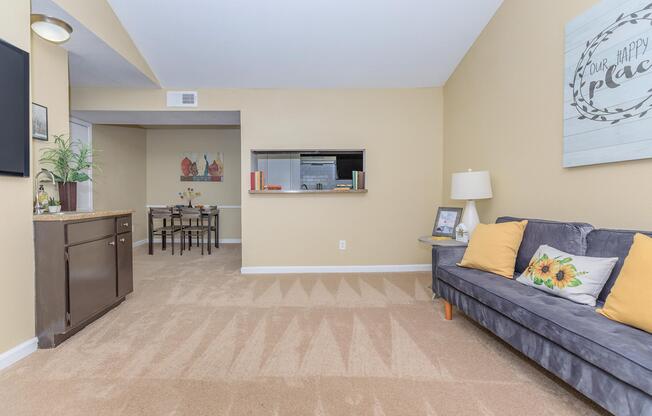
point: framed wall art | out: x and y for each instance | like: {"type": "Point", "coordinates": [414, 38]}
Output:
{"type": "Point", "coordinates": [607, 88]}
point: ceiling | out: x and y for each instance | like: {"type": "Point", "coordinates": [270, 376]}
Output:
{"type": "Point", "coordinates": [160, 118]}
{"type": "Point", "coordinates": [92, 62]}
{"type": "Point", "coordinates": [303, 43]}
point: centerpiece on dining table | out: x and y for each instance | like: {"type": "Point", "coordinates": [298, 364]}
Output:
{"type": "Point", "coordinates": [188, 195]}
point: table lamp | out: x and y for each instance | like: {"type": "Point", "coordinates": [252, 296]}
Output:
{"type": "Point", "coordinates": [470, 186]}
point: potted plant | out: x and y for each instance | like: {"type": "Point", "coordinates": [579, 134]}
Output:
{"type": "Point", "coordinates": [54, 206]}
{"type": "Point", "coordinates": [70, 162]}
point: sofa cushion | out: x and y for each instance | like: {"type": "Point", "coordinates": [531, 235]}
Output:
{"type": "Point", "coordinates": [576, 278]}
{"type": "Point", "coordinates": [611, 243]}
{"type": "Point", "coordinates": [631, 297]}
{"type": "Point", "coordinates": [618, 349]}
{"type": "Point", "coordinates": [493, 248]}
{"type": "Point", "coordinates": [565, 236]}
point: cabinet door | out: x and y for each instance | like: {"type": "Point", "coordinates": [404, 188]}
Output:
{"type": "Point", "coordinates": [91, 277]}
{"type": "Point", "coordinates": [125, 265]}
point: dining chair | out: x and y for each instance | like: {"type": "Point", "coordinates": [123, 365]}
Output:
{"type": "Point", "coordinates": [199, 229]}
{"type": "Point", "coordinates": [165, 215]}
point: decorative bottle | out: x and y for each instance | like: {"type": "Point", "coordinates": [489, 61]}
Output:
{"type": "Point", "coordinates": [43, 197]}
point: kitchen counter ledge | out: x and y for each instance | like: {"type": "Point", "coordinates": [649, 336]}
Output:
{"type": "Point", "coordinates": [81, 215]}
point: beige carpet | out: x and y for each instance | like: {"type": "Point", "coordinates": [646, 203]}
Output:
{"type": "Point", "coordinates": [197, 338]}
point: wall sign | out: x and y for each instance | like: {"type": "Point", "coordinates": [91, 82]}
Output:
{"type": "Point", "coordinates": [608, 84]}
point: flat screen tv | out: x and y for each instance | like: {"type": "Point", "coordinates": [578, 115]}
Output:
{"type": "Point", "coordinates": [14, 111]}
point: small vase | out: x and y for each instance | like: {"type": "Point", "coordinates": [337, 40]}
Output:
{"type": "Point", "coordinates": [68, 196]}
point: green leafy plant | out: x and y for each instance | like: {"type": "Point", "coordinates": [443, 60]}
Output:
{"type": "Point", "coordinates": [53, 202]}
{"type": "Point", "coordinates": [69, 160]}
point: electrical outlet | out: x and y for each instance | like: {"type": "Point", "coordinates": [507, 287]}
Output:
{"type": "Point", "coordinates": [342, 244]}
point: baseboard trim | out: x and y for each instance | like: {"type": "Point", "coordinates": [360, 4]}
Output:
{"type": "Point", "coordinates": [18, 352]}
{"type": "Point", "coordinates": [139, 243]}
{"type": "Point", "coordinates": [337, 269]}
{"type": "Point", "coordinates": [230, 241]}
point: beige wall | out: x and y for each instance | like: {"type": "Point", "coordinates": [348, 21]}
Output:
{"type": "Point", "coordinates": [49, 68]}
{"type": "Point", "coordinates": [16, 245]}
{"type": "Point", "coordinates": [402, 131]}
{"type": "Point", "coordinates": [120, 181]}
{"type": "Point", "coordinates": [49, 87]}
{"type": "Point", "coordinates": [503, 113]}
{"type": "Point", "coordinates": [164, 147]}
{"type": "Point", "coordinates": [15, 23]}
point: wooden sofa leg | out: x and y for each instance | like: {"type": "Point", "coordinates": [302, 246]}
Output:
{"type": "Point", "coordinates": [448, 309]}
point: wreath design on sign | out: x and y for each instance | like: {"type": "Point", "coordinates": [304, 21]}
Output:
{"type": "Point", "coordinates": [585, 106]}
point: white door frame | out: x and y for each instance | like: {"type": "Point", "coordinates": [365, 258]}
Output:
{"type": "Point", "coordinates": [89, 126]}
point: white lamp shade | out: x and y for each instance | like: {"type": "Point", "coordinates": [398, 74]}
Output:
{"type": "Point", "coordinates": [471, 185]}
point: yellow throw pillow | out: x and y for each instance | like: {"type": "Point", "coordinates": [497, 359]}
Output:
{"type": "Point", "coordinates": [493, 248]}
{"type": "Point", "coordinates": [630, 299]}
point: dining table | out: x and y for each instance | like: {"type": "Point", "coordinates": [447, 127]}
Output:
{"type": "Point", "coordinates": [211, 213]}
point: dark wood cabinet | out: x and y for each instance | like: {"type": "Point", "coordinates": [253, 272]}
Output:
{"type": "Point", "coordinates": [84, 267]}
{"type": "Point", "coordinates": [91, 278]}
{"type": "Point", "coordinates": [79, 232]}
{"type": "Point", "coordinates": [125, 264]}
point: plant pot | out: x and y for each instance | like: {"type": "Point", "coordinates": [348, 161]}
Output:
{"type": "Point", "coordinates": [68, 196]}
{"type": "Point", "coordinates": [53, 209]}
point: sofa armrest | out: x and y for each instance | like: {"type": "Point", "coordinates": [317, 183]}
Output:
{"type": "Point", "coordinates": [448, 256]}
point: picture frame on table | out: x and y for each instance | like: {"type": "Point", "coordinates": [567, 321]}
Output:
{"type": "Point", "coordinates": [447, 220]}
{"type": "Point", "coordinates": [39, 122]}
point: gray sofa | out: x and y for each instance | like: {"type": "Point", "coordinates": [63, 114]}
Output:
{"type": "Point", "coordinates": [608, 362]}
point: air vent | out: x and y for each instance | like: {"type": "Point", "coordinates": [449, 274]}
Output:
{"type": "Point", "coordinates": [182, 98]}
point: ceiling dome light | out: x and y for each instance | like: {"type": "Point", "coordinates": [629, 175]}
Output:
{"type": "Point", "coordinates": [50, 28]}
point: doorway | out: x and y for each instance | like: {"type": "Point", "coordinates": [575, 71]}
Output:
{"type": "Point", "coordinates": [82, 132]}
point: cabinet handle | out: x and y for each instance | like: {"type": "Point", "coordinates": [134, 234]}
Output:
{"type": "Point", "coordinates": [125, 224]}
{"type": "Point", "coordinates": [111, 243]}
{"type": "Point", "coordinates": [122, 240]}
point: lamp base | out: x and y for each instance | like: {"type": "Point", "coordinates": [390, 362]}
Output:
{"type": "Point", "coordinates": [470, 218]}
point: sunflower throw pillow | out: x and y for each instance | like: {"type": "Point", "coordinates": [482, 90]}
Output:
{"type": "Point", "coordinates": [576, 278]}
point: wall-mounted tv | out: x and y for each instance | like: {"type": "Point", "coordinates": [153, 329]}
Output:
{"type": "Point", "coordinates": [14, 111]}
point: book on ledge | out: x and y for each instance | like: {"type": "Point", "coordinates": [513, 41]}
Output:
{"type": "Point", "coordinates": [358, 181]}
{"type": "Point", "coordinates": [257, 181]}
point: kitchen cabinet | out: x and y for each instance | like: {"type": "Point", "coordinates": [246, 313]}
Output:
{"type": "Point", "coordinates": [125, 264]}
{"type": "Point", "coordinates": [281, 169]}
{"type": "Point", "coordinates": [84, 268]}
{"type": "Point", "coordinates": [91, 278]}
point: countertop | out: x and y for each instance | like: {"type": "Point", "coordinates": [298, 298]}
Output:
{"type": "Point", "coordinates": [81, 215]}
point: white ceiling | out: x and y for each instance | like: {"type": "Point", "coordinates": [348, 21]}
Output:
{"type": "Point", "coordinates": [92, 62]}
{"type": "Point", "coordinates": [160, 118]}
{"type": "Point", "coordinates": [303, 43]}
